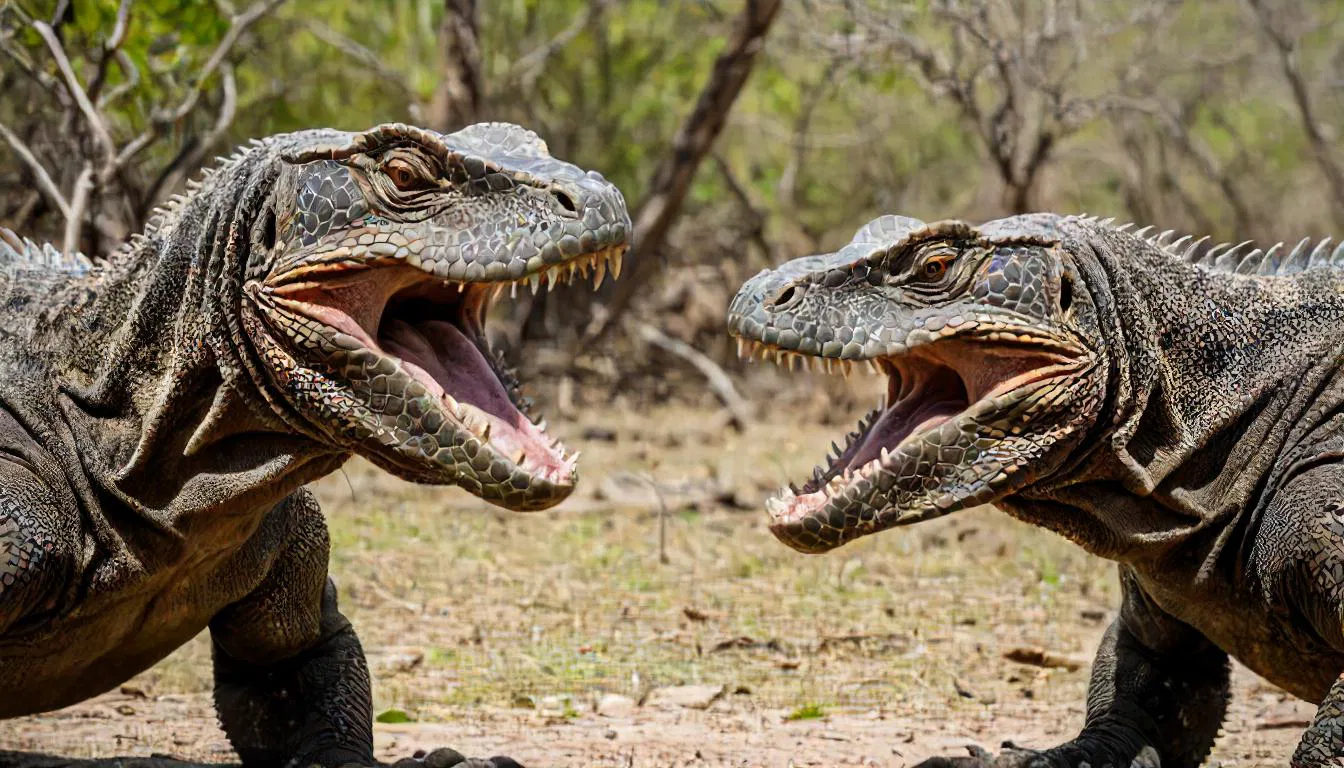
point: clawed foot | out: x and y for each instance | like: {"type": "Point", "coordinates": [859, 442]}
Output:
{"type": "Point", "coordinates": [447, 758]}
{"type": "Point", "coordinates": [1012, 756]}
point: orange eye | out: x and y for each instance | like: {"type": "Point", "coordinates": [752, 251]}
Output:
{"type": "Point", "coordinates": [401, 173]}
{"type": "Point", "coordinates": [936, 266]}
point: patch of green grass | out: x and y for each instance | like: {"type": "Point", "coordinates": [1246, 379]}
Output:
{"type": "Point", "coordinates": [807, 712]}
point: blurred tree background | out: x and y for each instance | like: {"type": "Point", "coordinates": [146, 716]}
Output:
{"type": "Point", "coordinates": [743, 132]}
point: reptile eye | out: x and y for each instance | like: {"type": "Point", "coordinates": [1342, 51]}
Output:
{"type": "Point", "coordinates": [401, 173]}
{"type": "Point", "coordinates": [936, 266]}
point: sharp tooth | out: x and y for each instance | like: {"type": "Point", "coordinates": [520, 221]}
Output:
{"type": "Point", "coordinates": [846, 368]}
{"type": "Point", "coordinates": [518, 456]}
{"type": "Point", "coordinates": [830, 365]}
{"type": "Point", "coordinates": [741, 347]}
{"type": "Point", "coordinates": [793, 362]}
{"type": "Point", "coordinates": [616, 264]}
{"type": "Point", "coordinates": [599, 273]}
{"type": "Point", "coordinates": [885, 454]}
{"type": "Point", "coordinates": [483, 432]}
{"type": "Point", "coordinates": [541, 425]}
{"type": "Point", "coordinates": [461, 287]}
{"type": "Point", "coordinates": [513, 290]}
{"type": "Point", "coordinates": [535, 282]}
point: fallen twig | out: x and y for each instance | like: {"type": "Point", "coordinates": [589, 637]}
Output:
{"type": "Point", "coordinates": [718, 380]}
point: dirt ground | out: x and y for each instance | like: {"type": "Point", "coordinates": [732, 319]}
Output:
{"type": "Point", "coordinates": [495, 632]}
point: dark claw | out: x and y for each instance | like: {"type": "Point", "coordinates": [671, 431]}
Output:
{"type": "Point", "coordinates": [1012, 756]}
{"type": "Point", "coordinates": [451, 758]}
{"type": "Point", "coordinates": [444, 758]}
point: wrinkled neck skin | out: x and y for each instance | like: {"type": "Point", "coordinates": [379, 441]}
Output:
{"type": "Point", "coordinates": [1215, 382]}
{"type": "Point", "coordinates": [161, 394]}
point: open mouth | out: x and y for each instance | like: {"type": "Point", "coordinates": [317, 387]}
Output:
{"type": "Point", "coordinates": [931, 424]}
{"type": "Point", "coordinates": [433, 330]}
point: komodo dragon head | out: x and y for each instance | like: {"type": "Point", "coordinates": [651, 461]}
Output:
{"type": "Point", "coordinates": [372, 266]}
{"type": "Point", "coordinates": [988, 339]}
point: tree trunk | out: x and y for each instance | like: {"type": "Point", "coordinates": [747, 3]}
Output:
{"type": "Point", "coordinates": [457, 101]}
{"type": "Point", "coordinates": [671, 181]}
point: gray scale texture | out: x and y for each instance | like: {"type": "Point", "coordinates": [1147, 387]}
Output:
{"type": "Point", "coordinates": [1193, 435]}
{"type": "Point", "coordinates": [161, 411]}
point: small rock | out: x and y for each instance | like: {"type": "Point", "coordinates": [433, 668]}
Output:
{"type": "Point", "coordinates": [615, 705]}
{"type": "Point", "coordinates": [125, 709]}
{"type": "Point", "coordinates": [610, 734]}
{"type": "Point", "coordinates": [555, 706]}
{"type": "Point", "coordinates": [687, 696]}
{"type": "Point", "coordinates": [599, 434]}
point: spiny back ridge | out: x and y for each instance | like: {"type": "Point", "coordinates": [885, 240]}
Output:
{"type": "Point", "coordinates": [21, 255]}
{"type": "Point", "coordinates": [1236, 259]}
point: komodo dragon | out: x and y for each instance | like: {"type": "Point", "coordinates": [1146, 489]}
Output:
{"type": "Point", "coordinates": [1175, 409]}
{"type": "Point", "coordinates": [317, 295]}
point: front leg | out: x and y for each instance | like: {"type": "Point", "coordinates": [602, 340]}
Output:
{"type": "Point", "coordinates": [1323, 743]}
{"type": "Point", "coordinates": [291, 683]}
{"type": "Point", "coordinates": [1157, 698]}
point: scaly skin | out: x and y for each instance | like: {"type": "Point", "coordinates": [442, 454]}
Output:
{"type": "Point", "coordinates": [1180, 412]}
{"type": "Point", "coordinates": [318, 295]}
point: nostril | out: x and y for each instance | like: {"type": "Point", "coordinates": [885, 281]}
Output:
{"type": "Point", "coordinates": [785, 297]}
{"type": "Point", "coordinates": [565, 200]}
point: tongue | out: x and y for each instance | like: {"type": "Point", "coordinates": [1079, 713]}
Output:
{"type": "Point", "coordinates": [438, 353]}
{"type": "Point", "coordinates": [898, 422]}
{"type": "Point", "coordinates": [441, 350]}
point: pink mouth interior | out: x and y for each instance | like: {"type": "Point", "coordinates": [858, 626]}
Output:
{"type": "Point", "coordinates": [428, 326]}
{"type": "Point", "coordinates": [924, 391]}
{"type": "Point", "coordinates": [439, 355]}
{"type": "Point", "coordinates": [912, 407]}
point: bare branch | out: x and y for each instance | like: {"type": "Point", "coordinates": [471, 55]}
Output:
{"type": "Point", "coordinates": [111, 47]}
{"type": "Point", "coordinates": [79, 200]}
{"type": "Point", "coordinates": [129, 71]}
{"type": "Point", "coordinates": [672, 179]}
{"type": "Point", "coordinates": [238, 24]}
{"type": "Point", "coordinates": [1286, 44]}
{"type": "Point", "coordinates": [530, 65]}
{"type": "Point", "coordinates": [370, 60]}
{"type": "Point", "coordinates": [719, 382]}
{"type": "Point", "coordinates": [44, 180]}
{"type": "Point", "coordinates": [97, 125]}
{"type": "Point", "coordinates": [193, 152]}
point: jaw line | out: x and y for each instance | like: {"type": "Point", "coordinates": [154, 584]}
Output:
{"type": "Point", "coordinates": [1020, 372]}
{"type": "Point", "coordinates": [381, 282]}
